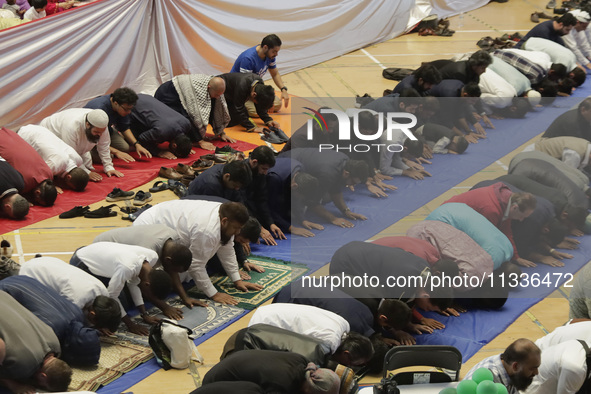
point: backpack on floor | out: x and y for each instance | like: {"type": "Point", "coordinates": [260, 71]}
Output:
{"type": "Point", "coordinates": [172, 345]}
{"type": "Point", "coordinates": [396, 74]}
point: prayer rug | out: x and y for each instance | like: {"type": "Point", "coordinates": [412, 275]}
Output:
{"type": "Point", "coordinates": [136, 174]}
{"type": "Point", "coordinates": [118, 356]}
{"type": "Point", "coordinates": [126, 351]}
{"type": "Point", "coordinates": [277, 274]}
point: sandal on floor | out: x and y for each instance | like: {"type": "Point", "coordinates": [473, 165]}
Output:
{"type": "Point", "coordinates": [178, 188]}
{"type": "Point", "coordinates": [102, 212]}
{"type": "Point", "coordinates": [158, 187]}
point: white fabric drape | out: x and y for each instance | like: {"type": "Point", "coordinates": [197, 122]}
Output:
{"type": "Point", "coordinates": [65, 60]}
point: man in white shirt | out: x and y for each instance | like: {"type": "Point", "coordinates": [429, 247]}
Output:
{"type": "Point", "coordinates": [577, 40]}
{"type": "Point", "coordinates": [580, 330]}
{"type": "Point", "coordinates": [207, 228]}
{"type": "Point", "coordinates": [83, 129]}
{"type": "Point", "coordinates": [61, 158]}
{"type": "Point", "coordinates": [118, 265]}
{"type": "Point", "coordinates": [84, 290]}
{"type": "Point", "coordinates": [173, 257]}
{"type": "Point", "coordinates": [36, 11]}
{"type": "Point", "coordinates": [563, 369]}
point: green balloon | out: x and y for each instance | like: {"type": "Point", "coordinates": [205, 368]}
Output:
{"type": "Point", "coordinates": [482, 374]}
{"type": "Point", "coordinates": [448, 390]}
{"type": "Point", "coordinates": [501, 389]}
{"type": "Point", "coordinates": [467, 387]}
{"type": "Point", "coordinates": [486, 387]}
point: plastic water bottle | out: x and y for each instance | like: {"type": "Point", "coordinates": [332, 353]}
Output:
{"type": "Point", "coordinates": [461, 21]}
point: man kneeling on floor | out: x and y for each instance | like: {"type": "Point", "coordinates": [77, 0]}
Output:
{"type": "Point", "coordinates": [117, 266]}
{"type": "Point", "coordinates": [207, 228]}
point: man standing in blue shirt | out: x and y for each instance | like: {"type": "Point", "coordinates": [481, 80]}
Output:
{"type": "Point", "coordinates": [258, 60]}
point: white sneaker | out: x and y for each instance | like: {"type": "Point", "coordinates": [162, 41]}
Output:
{"type": "Point", "coordinates": [551, 4]}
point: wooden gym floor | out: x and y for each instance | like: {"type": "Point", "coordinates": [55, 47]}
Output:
{"type": "Point", "coordinates": [358, 72]}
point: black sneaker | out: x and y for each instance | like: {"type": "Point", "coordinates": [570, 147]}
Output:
{"type": "Point", "coordinates": [225, 149]}
{"type": "Point", "coordinates": [119, 195]}
{"type": "Point", "coordinates": [75, 212]}
{"type": "Point", "coordinates": [141, 198]}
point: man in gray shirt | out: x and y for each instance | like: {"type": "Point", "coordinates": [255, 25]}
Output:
{"type": "Point", "coordinates": [31, 349]}
{"type": "Point", "coordinates": [172, 256]}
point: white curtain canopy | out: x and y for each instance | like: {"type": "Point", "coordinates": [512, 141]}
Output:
{"type": "Point", "coordinates": [65, 60]}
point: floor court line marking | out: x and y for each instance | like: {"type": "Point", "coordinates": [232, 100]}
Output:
{"type": "Point", "coordinates": [537, 322]}
{"type": "Point", "coordinates": [19, 246]}
{"type": "Point", "coordinates": [504, 167]}
{"type": "Point", "coordinates": [46, 253]}
{"type": "Point", "coordinates": [373, 58]}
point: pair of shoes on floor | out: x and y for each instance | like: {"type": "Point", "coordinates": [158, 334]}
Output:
{"type": "Point", "coordinates": [5, 248]}
{"type": "Point", "coordinates": [179, 188]}
{"type": "Point", "coordinates": [75, 212]}
{"type": "Point", "coordinates": [536, 16]}
{"type": "Point", "coordinates": [119, 195]}
{"type": "Point", "coordinates": [169, 173]}
{"type": "Point", "coordinates": [185, 170]}
{"type": "Point", "coordinates": [226, 149]}
{"type": "Point", "coordinates": [132, 216]}
{"type": "Point", "coordinates": [274, 135]}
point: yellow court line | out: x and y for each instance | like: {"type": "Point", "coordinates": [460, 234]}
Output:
{"type": "Point", "coordinates": [537, 322]}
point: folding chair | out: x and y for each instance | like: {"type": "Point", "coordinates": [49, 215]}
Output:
{"type": "Point", "coordinates": [447, 357]}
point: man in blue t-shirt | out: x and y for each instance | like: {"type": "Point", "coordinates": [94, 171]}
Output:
{"type": "Point", "coordinates": [258, 60]}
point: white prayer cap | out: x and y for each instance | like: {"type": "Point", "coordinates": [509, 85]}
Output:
{"type": "Point", "coordinates": [98, 118]}
{"type": "Point", "coordinates": [582, 16]}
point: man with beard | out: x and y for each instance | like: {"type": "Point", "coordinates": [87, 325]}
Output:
{"type": "Point", "coordinates": [83, 129]}
{"type": "Point", "coordinates": [199, 98]}
{"type": "Point", "coordinates": [551, 30]}
{"type": "Point", "coordinates": [258, 60]}
{"type": "Point", "coordinates": [207, 228]}
{"type": "Point", "coordinates": [515, 368]}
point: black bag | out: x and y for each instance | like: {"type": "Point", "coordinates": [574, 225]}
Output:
{"type": "Point", "coordinates": [386, 386]}
{"type": "Point", "coordinates": [396, 74]}
{"type": "Point", "coordinates": [161, 351]}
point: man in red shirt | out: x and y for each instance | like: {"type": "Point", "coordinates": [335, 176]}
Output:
{"type": "Point", "coordinates": [36, 173]}
{"type": "Point", "coordinates": [500, 205]}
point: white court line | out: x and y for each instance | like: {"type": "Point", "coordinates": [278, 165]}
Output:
{"type": "Point", "coordinates": [504, 167]}
{"type": "Point", "coordinates": [373, 58]}
{"type": "Point", "coordinates": [19, 246]}
{"type": "Point", "coordinates": [462, 187]}
{"type": "Point", "coordinates": [46, 253]}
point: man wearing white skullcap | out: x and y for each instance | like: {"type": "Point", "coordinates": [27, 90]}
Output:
{"type": "Point", "coordinates": [83, 129]}
{"type": "Point", "coordinates": [577, 40]}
